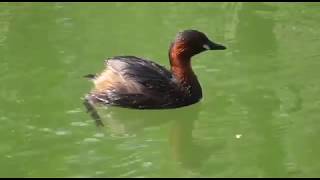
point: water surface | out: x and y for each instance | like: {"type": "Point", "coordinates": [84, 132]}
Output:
{"type": "Point", "coordinates": [258, 118]}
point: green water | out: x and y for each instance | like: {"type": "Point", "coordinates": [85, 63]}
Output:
{"type": "Point", "coordinates": [259, 116]}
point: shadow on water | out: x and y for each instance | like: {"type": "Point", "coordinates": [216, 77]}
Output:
{"type": "Point", "coordinates": [183, 149]}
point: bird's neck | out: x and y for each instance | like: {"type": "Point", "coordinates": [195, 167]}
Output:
{"type": "Point", "coordinates": [181, 69]}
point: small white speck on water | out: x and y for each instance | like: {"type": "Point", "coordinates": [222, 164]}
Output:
{"type": "Point", "coordinates": [238, 136]}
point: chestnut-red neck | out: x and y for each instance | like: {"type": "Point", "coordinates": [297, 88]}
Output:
{"type": "Point", "coordinates": [180, 62]}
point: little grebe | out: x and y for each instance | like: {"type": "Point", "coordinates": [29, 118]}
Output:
{"type": "Point", "coordinates": [132, 82]}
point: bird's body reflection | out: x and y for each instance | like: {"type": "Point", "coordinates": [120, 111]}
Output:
{"type": "Point", "coordinates": [183, 149]}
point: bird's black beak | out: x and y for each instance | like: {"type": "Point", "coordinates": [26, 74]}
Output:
{"type": "Point", "coordinates": [213, 46]}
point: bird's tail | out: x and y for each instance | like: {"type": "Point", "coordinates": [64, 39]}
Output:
{"type": "Point", "coordinates": [90, 76]}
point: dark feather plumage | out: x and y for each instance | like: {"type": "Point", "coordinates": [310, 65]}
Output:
{"type": "Point", "coordinates": [157, 87]}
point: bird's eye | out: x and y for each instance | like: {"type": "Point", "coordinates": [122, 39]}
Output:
{"type": "Point", "coordinates": [206, 46]}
